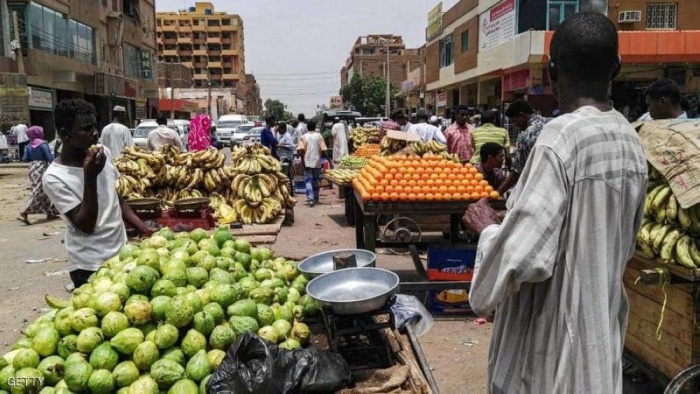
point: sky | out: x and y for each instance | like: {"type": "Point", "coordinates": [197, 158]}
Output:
{"type": "Point", "coordinates": [296, 48]}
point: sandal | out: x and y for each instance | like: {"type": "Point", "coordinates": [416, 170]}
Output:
{"type": "Point", "coordinates": [24, 219]}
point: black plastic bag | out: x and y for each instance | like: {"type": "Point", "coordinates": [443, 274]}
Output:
{"type": "Point", "coordinates": [253, 365]}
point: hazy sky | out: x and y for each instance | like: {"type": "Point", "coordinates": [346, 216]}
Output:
{"type": "Point", "coordinates": [296, 48]}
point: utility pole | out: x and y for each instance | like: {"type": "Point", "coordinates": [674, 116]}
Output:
{"type": "Point", "coordinates": [387, 100]}
{"type": "Point", "coordinates": [172, 89]}
{"type": "Point", "coordinates": [18, 51]}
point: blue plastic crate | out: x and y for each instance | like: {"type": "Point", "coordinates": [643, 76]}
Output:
{"type": "Point", "coordinates": [451, 262]}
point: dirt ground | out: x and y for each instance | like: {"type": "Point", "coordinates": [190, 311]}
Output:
{"type": "Point", "coordinates": [455, 348]}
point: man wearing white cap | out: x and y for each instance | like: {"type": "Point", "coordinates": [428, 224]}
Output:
{"type": "Point", "coordinates": [116, 136]}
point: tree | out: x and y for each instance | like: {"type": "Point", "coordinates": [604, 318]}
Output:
{"type": "Point", "coordinates": [367, 95]}
{"type": "Point", "coordinates": [275, 108]}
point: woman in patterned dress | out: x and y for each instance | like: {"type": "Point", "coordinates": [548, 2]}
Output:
{"type": "Point", "coordinates": [199, 137]}
{"type": "Point", "coordinates": [39, 154]}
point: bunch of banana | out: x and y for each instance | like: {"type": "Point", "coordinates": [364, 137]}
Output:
{"type": "Point", "coordinates": [255, 149]}
{"type": "Point", "coordinates": [153, 159]}
{"type": "Point", "coordinates": [264, 211]}
{"type": "Point", "coordinates": [451, 156]}
{"type": "Point", "coordinates": [209, 159]}
{"type": "Point", "coordinates": [127, 184]}
{"type": "Point", "coordinates": [389, 146]}
{"type": "Point", "coordinates": [421, 148]}
{"type": "Point", "coordinates": [342, 175]}
{"type": "Point", "coordinates": [254, 164]}
{"type": "Point", "coordinates": [189, 193]}
{"type": "Point", "coordinates": [215, 179]}
{"type": "Point", "coordinates": [126, 166]}
{"type": "Point", "coordinates": [364, 135]}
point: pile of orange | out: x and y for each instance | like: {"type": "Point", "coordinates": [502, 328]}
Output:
{"type": "Point", "coordinates": [430, 178]}
{"type": "Point", "coordinates": [367, 150]}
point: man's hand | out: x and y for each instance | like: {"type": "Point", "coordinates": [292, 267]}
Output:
{"type": "Point", "coordinates": [94, 162]}
{"type": "Point", "coordinates": [479, 216]}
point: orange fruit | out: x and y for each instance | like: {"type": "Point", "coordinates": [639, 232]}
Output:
{"type": "Point", "coordinates": [443, 189]}
{"type": "Point", "coordinates": [420, 183]}
{"type": "Point", "coordinates": [463, 170]}
{"type": "Point", "coordinates": [370, 189]}
{"type": "Point", "coordinates": [448, 182]}
{"type": "Point", "coordinates": [420, 196]}
{"type": "Point", "coordinates": [469, 176]}
{"type": "Point", "coordinates": [484, 195]}
{"type": "Point", "coordinates": [479, 176]}
{"type": "Point", "coordinates": [393, 171]}
{"type": "Point", "coordinates": [385, 197]}
{"type": "Point", "coordinates": [398, 176]}
{"type": "Point", "coordinates": [366, 196]}
{"type": "Point", "coordinates": [430, 182]}
{"type": "Point", "coordinates": [403, 197]}
{"type": "Point", "coordinates": [478, 189]}
{"type": "Point", "coordinates": [483, 183]}
{"type": "Point", "coordinates": [429, 197]}
{"type": "Point", "coordinates": [475, 196]}
{"type": "Point", "coordinates": [384, 183]}
{"type": "Point", "coordinates": [376, 197]}
{"type": "Point", "coordinates": [438, 197]}
{"type": "Point", "coordinates": [473, 170]}
{"type": "Point", "coordinates": [411, 197]}
{"type": "Point", "coordinates": [494, 195]}
{"type": "Point", "coordinates": [415, 177]}
{"type": "Point", "coordinates": [469, 166]}
{"type": "Point", "coordinates": [461, 189]}
{"type": "Point", "coordinates": [394, 182]}
{"type": "Point", "coordinates": [389, 189]}
{"type": "Point", "coordinates": [452, 189]}
{"type": "Point", "coordinates": [412, 183]}
{"type": "Point", "coordinates": [389, 177]}
{"type": "Point", "coordinates": [488, 188]}
{"type": "Point", "coordinates": [442, 175]}
{"type": "Point", "coordinates": [469, 189]}
{"type": "Point", "coordinates": [399, 189]}
{"type": "Point", "coordinates": [379, 189]}
{"type": "Point", "coordinates": [403, 182]}
{"type": "Point", "coordinates": [394, 196]}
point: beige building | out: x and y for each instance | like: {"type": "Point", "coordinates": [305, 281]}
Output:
{"type": "Point", "coordinates": [368, 56]}
{"type": "Point", "coordinates": [96, 50]}
{"type": "Point", "coordinates": [209, 42]}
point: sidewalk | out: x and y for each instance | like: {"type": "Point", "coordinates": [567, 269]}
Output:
{"type": "Point", "coordinates": [16, 164]}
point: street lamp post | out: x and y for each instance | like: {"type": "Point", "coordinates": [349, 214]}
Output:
{"type": "Point", "coordinates": [387, 99]}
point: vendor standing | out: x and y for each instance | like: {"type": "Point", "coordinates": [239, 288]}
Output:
{"type": "Point", "coordinates": [267, 136]}
{"type": "Point", "coordinates": [459, 135]}
{"type": "Point", "coordinates": [340, 141]}
{"type": "Point", "coordinates": [81, 184]}
{"type": "Point", "coordinates": [553, 269]}
{"type": "Point", "coordinates": [492, 156]}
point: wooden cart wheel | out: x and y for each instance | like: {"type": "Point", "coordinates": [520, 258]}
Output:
{"type": "Point", "coordinates": [682, 379]}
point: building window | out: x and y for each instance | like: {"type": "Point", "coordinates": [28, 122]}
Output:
{"type": "Point", "coordinates": [446, 51]}
{"type": "Point", "coordinates": [560, 10]}
{"type": "Point", "coordinates": [465, 41]}
{"type": "Point", "coordinates": [661, 16]}
{"type": "Point", "coordinates": [53, 32]}
{"type": "Point", "coordinates": [132, 61]}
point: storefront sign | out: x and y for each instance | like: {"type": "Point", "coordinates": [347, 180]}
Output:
{"type": "Point", "coordinates": [434, 22]}
{"type": "Point", "coordinates": [146, 64]}
{"type": "Point", "coordinates": [497, 25]}
{"type": "Point", "coordinates": [141, 112]}
{"type": "Point", "coordinates": [518, 80]}
{"type": "Point", "coordinates": [14, 99]}
{"type": "Point", "coordinates": [441, 99]}
{"type": "Point", "coordinates": [40, 99]}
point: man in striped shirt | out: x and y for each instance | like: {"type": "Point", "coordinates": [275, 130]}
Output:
{"type": "Point", "coordinates": [553, 268]}
{"type": "Point", "coordinates": [488, 132]}
{"type": "Point", "coordinates": [458, 135]}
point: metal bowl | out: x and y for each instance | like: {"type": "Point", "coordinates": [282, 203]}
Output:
{"type": "Point", "coordinates": [144, 203]}
{"type": "Point", "coordinates": [322, 263]}
{"type": "Point", "coordinates": [192, 203]}
{"type": "Point", "coordinates": [354, 291]}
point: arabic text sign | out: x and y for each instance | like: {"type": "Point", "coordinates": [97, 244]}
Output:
{"type": "Point", "coordinates": [497, 25]}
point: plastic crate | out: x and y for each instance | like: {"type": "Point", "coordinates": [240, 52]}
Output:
{"type": "Point", "coordinates": [451, 262]}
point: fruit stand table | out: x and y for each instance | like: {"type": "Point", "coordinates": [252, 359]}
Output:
{"type": "Point", "coordinates": [679, 345]}
{"type": "Point", "coordinates": [366, 213]}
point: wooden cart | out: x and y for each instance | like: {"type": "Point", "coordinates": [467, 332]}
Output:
{"type": "Point", "coordinates": [679, 345]}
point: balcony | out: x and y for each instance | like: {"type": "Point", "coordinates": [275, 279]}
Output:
{"type": "Point", "coordinates": [231, 76]}
{"type": "Point", "coordinates": [199, 52]}
{"type": "Point", "coordinates": [201, 76]}
{"type": "Point", "coordinates": [229, 27]}
{"type": "Point", "coordinates": [199, 41]}
{"type": "Point", "coordinates": [227, 65]}
{"type": "Point", "coordinates": [168, 28]}
{"type": "Point", "coordinates": [169, 41]}
{"type": "Point", "coordinates": [214, 40]}
{"type": "Point", "coordinates": [184, 40]}
{"type": "Point", "coordinates": [185, 53]}
{"type": "Point", "coordinates": [214, 28]}
{"type": "Point", "coordinates": [214, 53]}
{"type": "Point", "coordinates": [215, 65]}
{"type": "Point", "coordinates": [170, 52]}
{"type": "Point", "coordinates": [229, 52]}
{"type": "Point", "coordinates": [201, 28]}
{"type": "Point", "coordinates": [200, 64]}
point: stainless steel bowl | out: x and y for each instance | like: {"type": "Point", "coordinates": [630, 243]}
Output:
{"type": "Point", "coordinates": [322, 263]}
{"type": "Point", "coordinates": [353, 291]}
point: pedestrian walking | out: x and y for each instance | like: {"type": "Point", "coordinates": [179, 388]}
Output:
{"type": "Point", "coordinates": [311, 149]}
{"type": "Point", "coordinates": [39, 155]}
{"type": "Point", "coordinates": [20, 132]}
{"type": "Point", "coordinates": [116, 136]}
{"type": "Point", "coordinates": [199, 137]}
{"type": "Point", "coordinates": [81, 184]}
{"type": "Point", "coordinates": [340, 141]}
{"type": "Point", "coordinates": [458, 135]}
{"type": "Point", "coordinates": [553, 268]}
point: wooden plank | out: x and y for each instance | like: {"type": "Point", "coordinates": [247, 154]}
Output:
{"type": "Point", "coordinates": [260, 229]}
{"type": "Point", "coordinates": [651, 357]}
{"type": "Point", "coordinates": [262, 239]}
{"type": "Point", "coordinates": [680, 300]}
{"type": "Point", "coordinates": [683, 272]}
{"type": "Point", "coordinates": [645, 311]}
{"type": "Point", "coordinates": [669, 346]}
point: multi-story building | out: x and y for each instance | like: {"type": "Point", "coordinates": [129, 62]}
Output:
{"type": "Point", "coordinates": [369, 54]}
{"type": "Point", "coordinates": [101, 51]}
{"type": "Point", "coordinates": [489, 52]}
{"type": "Point", "coordinates": [209, 42]}
{"type": "Point", "coordinates": [253, 101]}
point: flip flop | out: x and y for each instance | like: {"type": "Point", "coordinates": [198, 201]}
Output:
{"type": "Point", "coordinates": [24, 220]}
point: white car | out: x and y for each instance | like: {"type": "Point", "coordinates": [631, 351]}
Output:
{"type": "Point", "coordinates": [141, 133]}
{"type": "Point", "coordinates": [253, 136]}
{"type": "Point", "coordinates": [227, 126]}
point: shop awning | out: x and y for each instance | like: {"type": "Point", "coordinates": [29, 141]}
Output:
{"type": "Point", "coordinates": [654, 46]}
{"type": "Point", "coordinates": [178, 105]}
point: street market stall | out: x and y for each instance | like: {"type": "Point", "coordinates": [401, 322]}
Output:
{"type": "Point", "coordinates": [662, 280]}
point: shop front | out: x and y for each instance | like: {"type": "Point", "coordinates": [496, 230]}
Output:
{"type": "Point", "coordinates": [41, 105]}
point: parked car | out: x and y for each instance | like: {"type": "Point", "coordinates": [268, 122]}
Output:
{"type": "Point", "coordinates": [226, 127]}
{"type": "Point", "coordinates": [183, 128]}
{"type": "Point", "coordinates": [253, 136]}
{"type": "Point", "coordinates": [241, 135]}
{"type": "Point", "coordinates": [141, 133]}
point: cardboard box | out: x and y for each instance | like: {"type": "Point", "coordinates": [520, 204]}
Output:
{"type": "Point", "coordinates": [448, 302]}
{"type": "Point", "coordinates": [451, 262]}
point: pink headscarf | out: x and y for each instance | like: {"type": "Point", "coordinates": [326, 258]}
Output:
{"type": "Point", "coordinates": [36, 136]}
{"type": "Point", "coordinates": [199, 137]}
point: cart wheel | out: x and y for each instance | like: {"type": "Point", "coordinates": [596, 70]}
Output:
{"type": "Point", "coordinates": [401, 229]}
{"type": "Point", "coordinates": [683, 378]}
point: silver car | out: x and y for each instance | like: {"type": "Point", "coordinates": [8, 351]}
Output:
{"type": "Point", "coordinates": [141, 133]}
{"type": "Point", "coordinates": [253, 136]}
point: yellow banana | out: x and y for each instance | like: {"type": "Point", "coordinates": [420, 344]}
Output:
{"type": "Point", "coordinates": [683, 256]}
{"type": "Point", "coordinates": [669, 244]}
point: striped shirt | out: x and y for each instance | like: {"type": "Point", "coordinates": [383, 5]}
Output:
{"type": "Point", "coordinates": [554, 267]}
{"type": "Point", "coordinates": [488, 133]}
{"type": "Point", "coordinates": [459, 141]}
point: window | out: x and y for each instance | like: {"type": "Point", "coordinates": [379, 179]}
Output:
{"type": "Point", "coordinates": [446, 55]}
{"type": "Point", "coordinates": [661, 16]}
{"type": "Point", "coordinates": [465, 41]}
{"type": "Point", "coordinates": [132, 61]}
{"type": "Point", "coordinates": [53, 32]}
{"type": "Point", "coordinates": [560, 10]}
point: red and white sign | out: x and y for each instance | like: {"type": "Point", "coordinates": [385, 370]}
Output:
{"type": "Point", "coordinates": [497, 25]}
{"type": "Point", "coordinates": [517, 80]}
{"type": "Point", "coordinates": [442, 99]}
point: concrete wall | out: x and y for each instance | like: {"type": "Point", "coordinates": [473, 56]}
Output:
{"type": "Point", "coordinates": [687, 13]}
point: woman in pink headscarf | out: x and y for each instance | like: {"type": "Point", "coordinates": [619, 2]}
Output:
{"type": "Point", "coordinates": [38, 153]}
{"type": "Point", "coordinates": [200, 129]}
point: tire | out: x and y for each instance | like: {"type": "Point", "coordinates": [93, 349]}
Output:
{"type": "Point", "coordinates": [682, 379]}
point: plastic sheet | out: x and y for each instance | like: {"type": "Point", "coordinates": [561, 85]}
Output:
{"type": "Point", "coordinates": [407, 309]}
